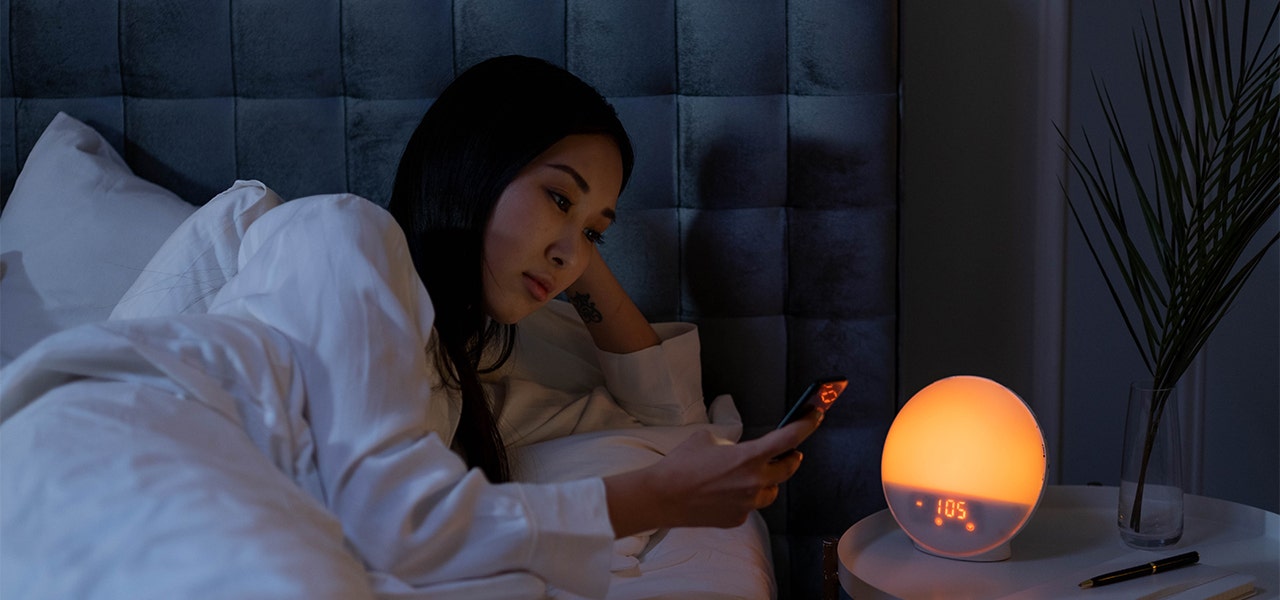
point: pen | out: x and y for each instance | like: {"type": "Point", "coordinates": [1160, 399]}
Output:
{"type": "Point", "coordinates": [1151, 568]}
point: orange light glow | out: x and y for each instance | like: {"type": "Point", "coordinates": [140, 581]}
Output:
{"type": "Point", "coordinates": [966, 437]}
{"type": "Point", "coordinates": [969, 527]}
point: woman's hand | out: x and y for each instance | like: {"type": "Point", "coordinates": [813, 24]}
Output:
{"type": "Point", "coordinates": [704, 483]}
{"type": "Point", "coordinates": [613, 320]}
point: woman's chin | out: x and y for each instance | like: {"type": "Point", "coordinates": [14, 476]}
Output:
{"type": "Point", "coordinates": [510, 315]}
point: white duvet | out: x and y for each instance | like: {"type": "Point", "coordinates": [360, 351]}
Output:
{"type": "Point", "coordinates": [222, 454]}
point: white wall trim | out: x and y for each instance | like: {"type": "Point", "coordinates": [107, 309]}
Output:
{"type": "Point", "coordinates": [1054, 97]}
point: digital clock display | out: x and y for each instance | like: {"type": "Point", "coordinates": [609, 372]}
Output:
{"type": "Point", "coordinates": [950, 509]}
{"type": "Point", "coordinates": [955, 524]}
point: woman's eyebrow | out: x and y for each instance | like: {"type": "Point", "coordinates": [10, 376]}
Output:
{"type": "Point", "coordinates": [608, 213]}
{"type": "Point", "coordinates": [577, 178]}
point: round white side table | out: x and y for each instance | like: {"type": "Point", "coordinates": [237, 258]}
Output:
{"type": "Point", "coordinates": [1073, 531]}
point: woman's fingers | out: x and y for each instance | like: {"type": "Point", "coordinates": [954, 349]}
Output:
{"type": "Point", "coordinates": [774, 474]}
{"type": "Point", "coordinates": [775, 457]}
{"type": "Point", "coordinates": [778, 442]}
{"type": "Point", "coordinates": [765, 497]}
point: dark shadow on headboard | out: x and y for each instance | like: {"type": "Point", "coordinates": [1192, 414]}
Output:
{"type": "Point", "coordinates": [153, 169]}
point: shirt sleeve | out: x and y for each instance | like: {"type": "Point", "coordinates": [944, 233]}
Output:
{"type": "Point", "coordinates": [333, 275]}
{"type": "Point", "coordinates": [659, 385]}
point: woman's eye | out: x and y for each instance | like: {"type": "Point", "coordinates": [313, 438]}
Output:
{"type": "Point", "coordinates": [562, 203]}
{"type": "Point", "coordinates": [593, 236]}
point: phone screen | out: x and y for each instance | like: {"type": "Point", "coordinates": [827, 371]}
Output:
{"type": "Point", "coordinates": [820, 394]}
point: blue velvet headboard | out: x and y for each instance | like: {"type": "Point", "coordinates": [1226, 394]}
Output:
{"type": "Point", "coordinates": [763, 207]}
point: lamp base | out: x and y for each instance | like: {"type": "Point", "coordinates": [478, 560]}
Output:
{"type": "Point", "coordinates": [996, 554]}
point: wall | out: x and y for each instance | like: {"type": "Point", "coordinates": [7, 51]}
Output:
{"type": "Point", "coordinates": [996, 280]}
{"type": "Point", "coordinates": [981, 229]}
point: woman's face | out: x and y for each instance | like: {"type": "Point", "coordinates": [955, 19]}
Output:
{"type": "Point", "coordinates": [545, 226]}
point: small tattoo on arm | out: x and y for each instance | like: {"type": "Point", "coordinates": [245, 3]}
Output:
{"type": "Point", "coordinates": [586, 308]}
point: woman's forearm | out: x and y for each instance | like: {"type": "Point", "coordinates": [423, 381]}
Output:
{"type": "Point", "coordinates": [634, 505]}
{"type": "Point", "coordinates": [615, 323]}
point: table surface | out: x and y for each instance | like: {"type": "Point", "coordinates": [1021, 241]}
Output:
{"type": "Point", "coordinates": [1071, 534]}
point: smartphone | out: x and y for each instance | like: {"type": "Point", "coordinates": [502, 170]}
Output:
{"type": "Point", "coordinates": [820, 395]}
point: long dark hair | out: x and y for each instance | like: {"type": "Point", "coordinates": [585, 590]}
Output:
{"type": "Point", "coordinates": [486, 126]}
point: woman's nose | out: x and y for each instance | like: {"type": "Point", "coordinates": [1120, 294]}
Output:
{"type": "Point", "coordinates": [567, 250]}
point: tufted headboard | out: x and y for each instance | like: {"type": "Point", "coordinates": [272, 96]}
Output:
{"type": "Point", "coordinates": [763, 207]}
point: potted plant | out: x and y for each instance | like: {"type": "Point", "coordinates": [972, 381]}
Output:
{"type": "Point", "coordinates": [1174, 226]}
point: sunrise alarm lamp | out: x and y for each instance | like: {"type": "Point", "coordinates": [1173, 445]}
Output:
{"type": "Point", "coordinates": [963, 468]}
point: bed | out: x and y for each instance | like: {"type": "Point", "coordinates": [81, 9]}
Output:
{"type": "Point", "coordinates": [763, 209]}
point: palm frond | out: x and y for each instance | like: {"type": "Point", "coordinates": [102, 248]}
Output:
{"type": "Point", "coordinates": [1175, 240]}
{"type": "Point", "coordinates": [1171, 238]}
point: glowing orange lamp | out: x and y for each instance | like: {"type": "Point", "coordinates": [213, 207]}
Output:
{"type": "Point", "coordinates": [963, 468]}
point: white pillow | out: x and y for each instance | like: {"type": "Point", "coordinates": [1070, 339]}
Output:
{"type": "Point", "coordinates": [195, 262]}
{"type": "Point", "coordinates": [78, 228]}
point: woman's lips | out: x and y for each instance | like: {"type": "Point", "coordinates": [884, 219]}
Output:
{"type": "Point", "coordinates": [539, 289]}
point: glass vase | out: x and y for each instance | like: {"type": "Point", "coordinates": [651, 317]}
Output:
{"type": "Point", "coordinates": [1150, 514]}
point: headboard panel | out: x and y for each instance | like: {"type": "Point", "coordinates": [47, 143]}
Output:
{"type": "Point", "coordinates": [763, 206]}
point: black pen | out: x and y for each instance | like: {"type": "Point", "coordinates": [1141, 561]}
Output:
{"type": "Point", "coordinates": [1151, 568]}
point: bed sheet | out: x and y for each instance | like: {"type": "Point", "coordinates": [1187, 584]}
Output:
{"type": "Point", "coordinates": [129, 489]}
{"type": "Point", "coordinates": [113, 467]}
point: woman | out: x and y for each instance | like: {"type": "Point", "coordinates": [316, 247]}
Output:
{"type": "Point", "coordinates": [514, 174]}
{"type": "Point", "coordinates": [348, 349]}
